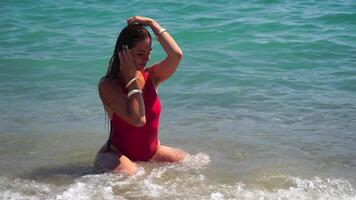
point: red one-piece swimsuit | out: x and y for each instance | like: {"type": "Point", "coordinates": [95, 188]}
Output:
{"type": "Point", "coordinates": [138, 143]}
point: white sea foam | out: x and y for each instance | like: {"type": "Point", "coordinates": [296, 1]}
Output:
{"type": "Point", "coordinates": [185, 180]}
{"type": "Point", "coordinates": [93, 187]}
{"type": "Point", "coordinates": [216, 196]}
{"type": "Point", "coordinates": [83, 191]}
{"type": "Point", "coordinates": [316, 188]}
{"type": "Point", "coordinates": [197, 161]}
{"type": "Point", "coordinates": [24, 189]}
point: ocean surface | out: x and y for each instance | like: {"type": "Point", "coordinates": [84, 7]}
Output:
{"type": "Point", "coordinates": [264, 100]}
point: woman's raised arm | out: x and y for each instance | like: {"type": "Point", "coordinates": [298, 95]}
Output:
{"type": "Point", "coordinates": [164, 69]}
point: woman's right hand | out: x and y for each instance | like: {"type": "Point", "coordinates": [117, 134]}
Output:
{"type": "Point", "coordinates": [141, 20]}
{"type": "Point", "coordinates": [127, 64]}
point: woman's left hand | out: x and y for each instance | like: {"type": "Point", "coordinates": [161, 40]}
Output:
{"type": "Point", "coordinates": [140, 19]}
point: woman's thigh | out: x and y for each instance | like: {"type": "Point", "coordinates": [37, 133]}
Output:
{"type": "Point", "coordinates": [168, 154]}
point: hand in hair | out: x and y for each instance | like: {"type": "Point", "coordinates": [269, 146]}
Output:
{"type": "Point", "coordinates": [127, 64]}
{"type": "Point", "coordinates": [140, 20]}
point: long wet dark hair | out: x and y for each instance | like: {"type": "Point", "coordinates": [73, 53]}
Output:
{"type": "Point", "coordinates": [129, 36]}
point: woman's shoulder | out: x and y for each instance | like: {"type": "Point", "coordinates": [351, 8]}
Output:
{"type": "Point", "coordinates": [105, 81]}
{"type": "Point", "coordinates": [109, 84]}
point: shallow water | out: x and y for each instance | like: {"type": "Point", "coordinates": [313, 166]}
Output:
{"type": "Point", "coordinates": [264, 100]}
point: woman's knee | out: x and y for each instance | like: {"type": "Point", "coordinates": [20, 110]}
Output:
{"type": "Point", "coordinates": [169, 154]}
{"type": "Point", "coordinates": [114, 162]}
{"type": "Point", "coordinates": [126, 166]}
{"type": "Point", "coordinates": [179, 155]}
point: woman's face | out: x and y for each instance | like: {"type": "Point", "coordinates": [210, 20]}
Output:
{"type": "Point", "coordinates": [141, 53]}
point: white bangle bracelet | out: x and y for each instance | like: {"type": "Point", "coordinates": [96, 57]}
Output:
{"type": "Point", "coordinates": [130, 82]}
{"type": "Point", "coordinates": [133, 92]}
{"type": "Point", "coordinates": [162, 30]}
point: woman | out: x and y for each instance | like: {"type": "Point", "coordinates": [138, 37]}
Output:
{"type": "Point", "coordinates": [128, 92]}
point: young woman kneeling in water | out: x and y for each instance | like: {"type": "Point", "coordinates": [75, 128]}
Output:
{"type": "Point", "coordinates": [128, 92]}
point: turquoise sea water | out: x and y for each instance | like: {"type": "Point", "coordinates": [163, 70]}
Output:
{"type": "Point", "coordinates": [264, 100]}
